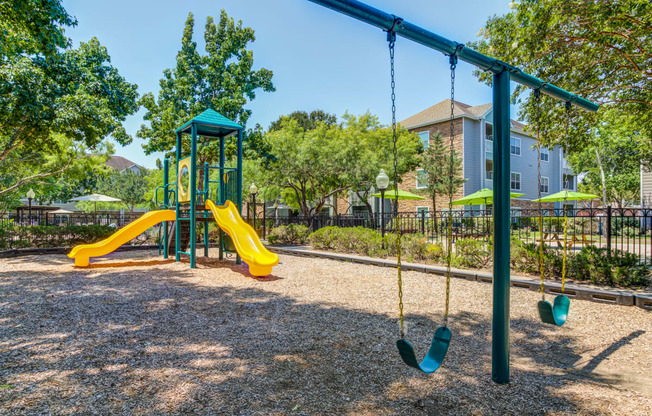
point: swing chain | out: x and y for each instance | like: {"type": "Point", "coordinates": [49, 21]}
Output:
{"type": "Point", "coordinates": [391, 38]}
{"type": "Point", "coordinates": [449, 234]}
{"type": "Point", "coordinates": [568, 106]}
{"type": "Point", "coordinates": [537, 115]}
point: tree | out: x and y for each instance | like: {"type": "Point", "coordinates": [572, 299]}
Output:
{"type": "Point", "coordinates": [441, 176]}
{"type": "Point", "coordinates": [307, 121]}
{"type": "Point", "coordinates": [57, 104]}
{"type": "Point", "coordinates": [131, 187]}
{"type": "Point", "coordinates": [222, 79]}
{"type": "Point", "coordinates": [308, 166]}
{"type": "Point", "coordinates": [600, 50]}
{"type": "Point", "coordinates": [373, 150]}
{"type": "Point", "coordinates": [611, 164]}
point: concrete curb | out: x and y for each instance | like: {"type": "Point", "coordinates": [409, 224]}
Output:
{"type": "Point", "coordinates": [607, 296]}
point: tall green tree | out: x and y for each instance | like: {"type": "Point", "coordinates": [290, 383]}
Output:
{"type": "Point", "coordinates": [439, 174]}
{"type": "Point", "coordinates": [57, 104]}
{"type": "Point", "coordinates": [222, 79]}
{"type": "Point", "coordinates": [611, 164]}
{"type": "Point", "coordinates": [307, 121]}
{"type": "Point", "coordinates": [600, 50]}
{"type": "Point", "coordinates": [129, 186]}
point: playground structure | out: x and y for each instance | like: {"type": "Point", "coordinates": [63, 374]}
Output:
{"type": "Point", "coordinates": [184, 205]}
{"type": "Point", "coordinates": [503, 73]}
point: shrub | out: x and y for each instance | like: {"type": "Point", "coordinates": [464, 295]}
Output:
{"type": "Point", "coordinates": [621, 268]}
{"type": "Point", "coordinates": [289, 234]}
{"type": "Point", "coordinates": [416, 247]}
{"type": "Point", "coordinates": [52, 236]}
{"type": "Point", "coordinates": [472, 253]}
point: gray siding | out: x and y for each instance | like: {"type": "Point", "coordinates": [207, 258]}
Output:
{"type": "Point", "coordinates": [646, 188]}
{"type": "Point", "coordinates": [473, 159]}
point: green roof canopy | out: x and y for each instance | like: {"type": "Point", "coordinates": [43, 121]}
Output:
{"type": "Point", "coordinates": [482, 197]}
{"type": "Point", "coordinates": [212, 124]}
{"type": "Point", "coordinates": [390, 194]}
{"type": "Point", "coordinates": [566, 196]}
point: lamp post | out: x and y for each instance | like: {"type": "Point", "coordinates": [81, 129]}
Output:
{"type": "Point", "coordinates": [253, 190]}
{"type": "Point", "coordinates": [382, 182]}
{"type": "Point", "coordinates": [30, 195]}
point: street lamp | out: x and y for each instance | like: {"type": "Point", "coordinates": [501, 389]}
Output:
{"type": "Point", "coordinates": [382, 182]}
{"type": "Point", "coordinates": [30, 195]}
{"type": "Point", "coordinates": [253, 190]}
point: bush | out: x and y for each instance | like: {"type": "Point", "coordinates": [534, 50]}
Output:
{"type": "Point", "coordinates": [471, 253]}
{"type": "Point", "coordinates": [620, 269]}
{"type": "Point", "coordinates": [52, 236]}
{"type": "Point", "coordinates": [291, 234]}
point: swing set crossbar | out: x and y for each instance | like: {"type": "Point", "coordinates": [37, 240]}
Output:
{"type": "Point", "coordinates": [407, 30]}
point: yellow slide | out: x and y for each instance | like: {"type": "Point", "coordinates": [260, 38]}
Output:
{"type": "Point", "coordinates": [82, 253]}
{"type": "Point", "coordinates": [245, 239]}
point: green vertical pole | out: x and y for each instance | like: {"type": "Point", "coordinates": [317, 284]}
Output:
{"type": "Point", "coordinates": [239, 174]}
{"type": "Point", "coordinates": [166, 203]}
{"type": "Point", "coordinates": [177, 227]}
{"type": "Point", "coordinates": [193, 195]}
{"type": "Point", "coordinates": [221, 193]}
{"type": "Point", "coordinates": [206, 172]}
{"type": "Point", "coordinates": [500, 330]}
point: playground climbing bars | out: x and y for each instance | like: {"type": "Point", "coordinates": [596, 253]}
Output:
{"type": "Point", "coordinates": [503, 73]}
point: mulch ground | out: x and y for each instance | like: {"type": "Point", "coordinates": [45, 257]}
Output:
{"type": "Point", "coordinates": [136, 334]}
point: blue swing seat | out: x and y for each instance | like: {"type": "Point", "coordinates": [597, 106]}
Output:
{"type": "Point", "coordinates": [436, 353]}
{"type": "Point", "coordinates": [555, 314]}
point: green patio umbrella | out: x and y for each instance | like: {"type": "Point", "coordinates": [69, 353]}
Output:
{"type": "Point", "coordinates": [566, 196]}
{"type": "Point", "coordinates": [391, 194]}
{"type": "Point", "coordinates": [482, 197]}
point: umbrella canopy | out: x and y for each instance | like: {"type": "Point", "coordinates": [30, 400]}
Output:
{"type": "Point", "coordinates": [391, 194]}
{"type": "Point", "coordinates": [482, 197]}
{"type": "Point", "coordinates": [60, 211]}
{"type": "Point", "coordinates": [566, 196]}
{"type": "Point", "coordinates": [96, 198]}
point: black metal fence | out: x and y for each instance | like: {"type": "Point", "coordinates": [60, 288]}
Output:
{"type": "Point", "coordinates": [114, 219]}
{"type": "Point", "coordinates": [626, 229]}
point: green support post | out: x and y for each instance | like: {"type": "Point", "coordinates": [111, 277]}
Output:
{"type": "Point", "coordinates": [177, 229]}
{"type": "Point", "coordinates": [221, 193]}
{"type": "Point", "coordinates": [239, 174]}
{"type": "Point", "coordinates": [166, 203]}
{"type": "Point", "coordinates": [193, 195]}
{"type": "Point", "coordinates": [206, 173]}
{"type": "Point", "coordinates": [501, 171]}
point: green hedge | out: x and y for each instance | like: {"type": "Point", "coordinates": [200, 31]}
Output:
{"type": "Point", "coordinates": [590, 264]}
{"type": "Point", "coordinates": [289, 234]}
{"type": "Point", "coordinates": [52, 236]}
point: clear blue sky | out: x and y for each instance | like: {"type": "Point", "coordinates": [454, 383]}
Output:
{"type": "Point", "coordinates": [320, 59]}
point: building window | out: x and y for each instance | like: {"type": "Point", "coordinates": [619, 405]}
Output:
{"type": "Point", "coordinates": [425, 138]}
{"type": "Point", "coordinates": [515, 181]}
{"type": "Point", "coordinates": [489, 158]}
{"type": "Point", "coordinates": [545, 155]}
{"type": "Point", "coordinates": [425, 210]}
{"type": "Point", "coordinates": [515, 146]}
{"type": "Point", "coordinates": [422, 179]}
{"type": "Point", "coordinates": [545, 182]}
{"type": "Point", "coordinates": [569, 182]}
{"type": "Point", "coordinates": [515, 213]}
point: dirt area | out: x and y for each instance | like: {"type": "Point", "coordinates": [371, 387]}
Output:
{"type": "Point", "coordinates": [135, 334]}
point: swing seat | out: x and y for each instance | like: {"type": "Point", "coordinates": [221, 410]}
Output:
{"type": "Point", "coordinates": [555, 314]}
{"type": "Point", "coordinates": [436, 353]}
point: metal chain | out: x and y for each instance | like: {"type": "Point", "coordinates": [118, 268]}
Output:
{"type": "Point", "coordinates": [391, 38]}
{"type": "Point", "coordinates": [537, 115]}
{"type": "Point", "coordinates": [451, 178]}
{"type": "Point", "coordinates": [563, 268]}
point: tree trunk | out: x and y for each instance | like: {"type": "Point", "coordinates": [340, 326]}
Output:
{"type": "Point", "coordinates": [434, 208]}
{"type": "Point", "coordinates": [604, 180]}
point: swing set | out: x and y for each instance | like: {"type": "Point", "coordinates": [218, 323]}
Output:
{"type": "Point", "coordinates": [502, 74]}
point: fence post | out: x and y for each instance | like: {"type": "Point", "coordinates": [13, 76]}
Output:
{"type": "Point", "coordinates": [609, 230]}
{"type": "Point", "coordinates": [264, 220]}
{"type": "Point", "coordinates": [423, 222]}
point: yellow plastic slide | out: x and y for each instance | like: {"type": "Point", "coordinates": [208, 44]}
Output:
{"type": "Point", "coordinates": [245, 239]}
{"type": "Point", "coordinates": [82, 253]}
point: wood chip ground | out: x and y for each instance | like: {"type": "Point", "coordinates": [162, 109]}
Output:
{"type": "Point", "coordinates": [139, 335]}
